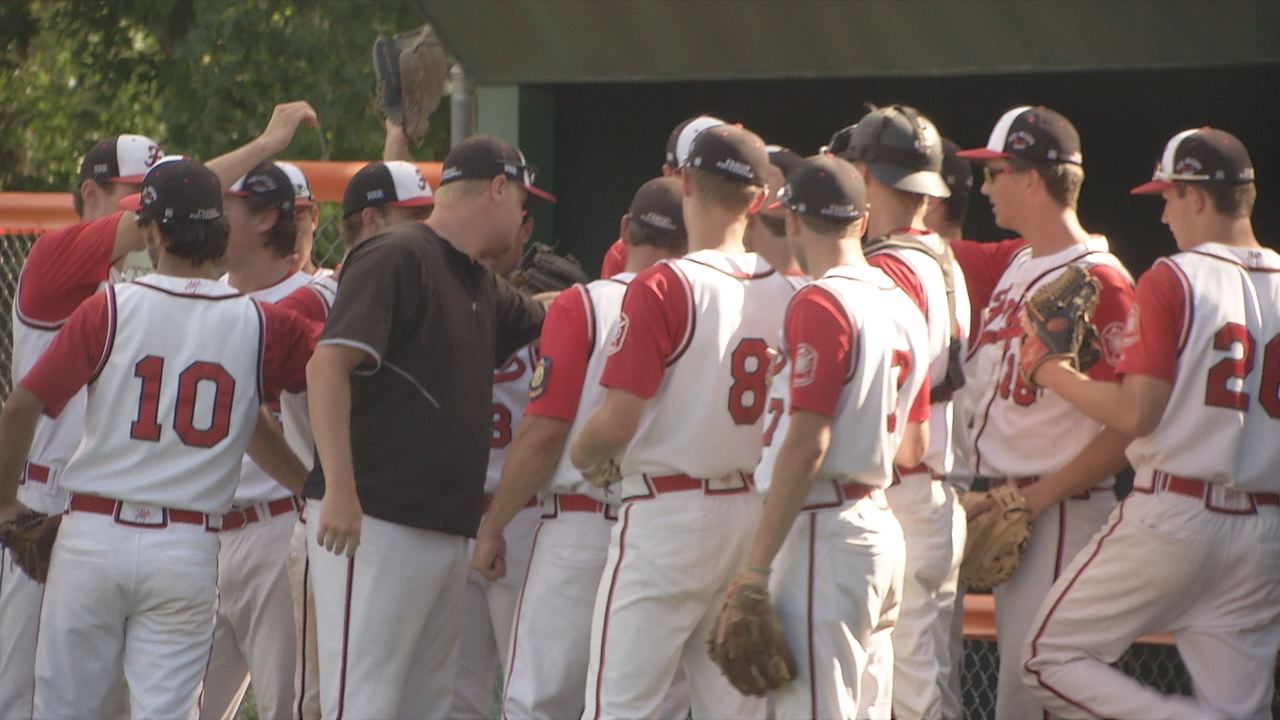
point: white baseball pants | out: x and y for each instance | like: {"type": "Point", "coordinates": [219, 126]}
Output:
{"type": "Point", "coordinates": [671, 558]}
{"type": "Point", "coordinates": [147, 595]}
{"type": "Point", "coordinates": [306, 674]}
{"type": "Point", "coordinates": [934, 526]}
{"type": "Point", "coordinates": [1164, 563]}
{"type": "Point", "coordinates": [253, 640]}
{"type": "Point", "coordinates": [388, 621]}
{"type": "Point", "coordinates": [837, 584]}
{"type": "Point", "coordinates": [1056, 538]}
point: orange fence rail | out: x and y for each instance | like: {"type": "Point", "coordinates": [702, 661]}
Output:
{"type": "Point", "coordinates": [980, 622]}
{"type": "Point", "coordinates": [23, 212]}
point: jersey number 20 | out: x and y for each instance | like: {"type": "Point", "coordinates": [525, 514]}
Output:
{"type": "Point", "coordinates": [150, 370]}
{"type": "Point", "coordinates": [1218, 394]}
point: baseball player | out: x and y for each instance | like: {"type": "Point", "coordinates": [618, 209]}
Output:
{"type": "Point", "coordinates": [254, 638]}
{"type": "Point", "coordinates": [766, 234]}
{"type": "Point", "coordinates": [1195, 549]}
{"type": "Point", "coordinates": [168, 415]}
{"type": "Point", "coordinates": [379, 196]}
{"type": "Point", "coordinates": [899, 152]}
{"type": "Point", "coordinates": [849, 398]}
{"type": "Point", "coordinates": [1020, 434]}
{"type": "Point", "coordinates": [678, 144]}
{"type": "Point", "coordinates": [550, 643]}
{"type": "Point", "coordinates": [490, 603]}
{"type": "Point", "coordinates": [306, 215]}
{"type": "Point", "coordinates": [698, 328]}
{"type": "Point", "coordinates": [63, 268]}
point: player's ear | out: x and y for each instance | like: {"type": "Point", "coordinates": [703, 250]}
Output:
{"type": "Point", "coordinates": [686, 183]}
{"type": "Point", "coordinates": [1199, 198]}
{"type": "Point", "coordinates": [497, 186]}
{"type": "Point", "coordinates": [861, 228]}
{"type": "Point", "coordinates": [90, 192]}
{"type": "Point", "coordinates": [267, 219]}
{"type": "Point", "coordinates": [758, 203]}
{"type": "Point", "coordinates": [371, 219]}
{"type": "Point", "coordinates": [623, 226]}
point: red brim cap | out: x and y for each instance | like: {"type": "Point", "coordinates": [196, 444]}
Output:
{"type": "Point", "coordinates": [132, 202]}
{"type": "Point", "coordinates": [137, 179]}
{"type": "Point", "coordinates": [303, 202]}
{"type": "Point", "coordinates": [775, 205]}
{"type": "Point", "coordinates": [538, 196]}
{"type": "Point", "coordinates": [1154, 187]}
{"type": "Point", "coordinates": [981, 154]}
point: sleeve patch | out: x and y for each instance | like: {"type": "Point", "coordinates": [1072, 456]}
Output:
{"type": "Point", "coordinates": [619, 334]}
{"type": "Point", "coordinates": [806, 365]}
{"type": "Point", "coordinates": [538, 385]}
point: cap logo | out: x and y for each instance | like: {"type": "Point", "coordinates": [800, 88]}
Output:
{"type": "Point", "coordinates": [375, 194]}
{"type": "Point", "coordinates": [1021, 140]}
{"type": "Point", "coordinates": [422, 182]}
{"type": "Point", "coordinates": [450, 173]}
{"type": "Point", "coordinates": [154, 153]}
{"type": "Point", "coordinates": [206, 214]}
{"type": "Point", "coordinates": [261, 184]}
{"type": "Point", "coordinates": [149, 195]}
{"type": "Point", "coordinates": [101, 169]}
{"type": "Point", "coordinates": [736, 167]}
{"type": "Point", "coordinates": [1188, 166]}
{"type": "Point", "coordinates": [657, 220]}
{"type": "Point", "coordinates": [838, 211]}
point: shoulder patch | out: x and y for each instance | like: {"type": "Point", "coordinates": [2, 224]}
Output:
{"type": "Point", "coordinates": [538, 385]}
{"type": "Point", "coordinates": [806, 365]}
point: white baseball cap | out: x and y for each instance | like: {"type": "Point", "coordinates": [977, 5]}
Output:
{"type": "Point", "coordinates": [301, 188]}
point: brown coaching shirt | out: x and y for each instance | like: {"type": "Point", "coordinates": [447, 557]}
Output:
{"type": "Point", "coordinates": [435, 323]}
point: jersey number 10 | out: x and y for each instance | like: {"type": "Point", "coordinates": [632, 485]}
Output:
{"type": "Point", "coordinates": [150, 370]}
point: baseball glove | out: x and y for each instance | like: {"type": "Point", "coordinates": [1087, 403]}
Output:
{"type": "Point", "coordinates": [997, 538]}
{"type": "Point", "coordinates": [1059, 312]}
{"type": "Point", "coordinates": [604, 474]}
{"type": "Point", "coordinates": [748, 644]}
{"type": "Point", "coordinates": [542, 270]}
{"type": "Point", "coordinates": [29, 539]}
{"type": "Point", "coordinates": [411, 69]}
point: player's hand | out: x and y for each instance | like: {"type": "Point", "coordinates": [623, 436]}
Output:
{"type": "Point", "coordinates": [1031, 355]}
{"type": "Point", "coordinates": [284, 122]}
{"type": "Point", "coordinates": [12, 510]}
{"type": "Point", "coordinates": [340, 519]}
{"type": "Point", "coordinates": [490, 555]}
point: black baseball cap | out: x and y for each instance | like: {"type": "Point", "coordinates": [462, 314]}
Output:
{"type": "Point", "coordinates": [839, 142]}
{"type": "Point", "coordinates": [177, 191]}
{"type": "Point", "coordinates": [731, 152]}
{"type": "Point", "coordinates": [682, 135]}
{"type": "Point", "coordinates": [481, 157]}
{"type": "Point", "coordinates": [394, 182]}
{"type": "Point", "coordinates": [122, 158]}
{"type": "Point", "coordinates": [901, 148]}
{"type": "Point", "coordinates": [825, 186]}
{"type": "Point", "coordinates": [659, 205]}
{"type": "Point", "coordinates": [1203, 155]}
{"type": "Point", "coordinates": [266, 182]}
{"type": "Point", "coordinates": [956, 171]}
{"type": "Point", "coordinates": [785, 159]}
{"type": "Point", "coordinates": [1031, 133]}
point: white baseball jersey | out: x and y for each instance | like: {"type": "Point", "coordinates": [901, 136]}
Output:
{"type": "Point", "coordinates": [703, 419]}
{"type": "Point", "coordinates": [169, 414]}
{"type": "Point", "coordinates": [256, 486]}
{"type": "Point", "coordinates": [510, 395]}
{"type": "Point", "coordinates": [1009, 415]}
{"type": "Point", "coordinates": [940, 455]}
{"type": "Point", "coordinates": [1222, 422]}
{"type": "Point", "coordinates": [854, 349]}
{"type": "Point", "coordinates": [575, 335]}
{"type": "Point", "coordinates": [63, 268]}
{"type": "Point", "coordinates": [312, 301]}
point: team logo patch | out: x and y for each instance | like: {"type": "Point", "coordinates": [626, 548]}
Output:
{"type": "Point", "coordinates": [1132, 327]}
{"type": "Point", "coordinates": [1188, 166]}
{"type": "Point", "coordinates": [806, 365]}
{"type": "Point", "coordinates": [619, 334]}
{"type": "Point", "coordinates": [538, 384]}
{"type": "Point", "coordinates": [1021, 140]}
{"type": "Point", "coordinates": [1112, 340]}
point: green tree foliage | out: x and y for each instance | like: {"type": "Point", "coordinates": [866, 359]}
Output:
{"type": "Point", "coordinates": [200, 76]}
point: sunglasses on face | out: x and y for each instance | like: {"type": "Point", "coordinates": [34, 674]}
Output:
{"type": "Point", "coordinates": [989, 174]}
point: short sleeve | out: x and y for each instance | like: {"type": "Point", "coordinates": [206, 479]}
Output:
{"type": "Point", "coordinates": [1156, 325]}
{"type": "Point", "coordinates": [615, 260]}
{"type": "Point", "coordinates": [903, 276]}
{"type": "Point", "coordinates": [653, 329]}
{"type": "Point", "coordinates": [819, 342]}
{"type": "Point", "coordinates": [373, 304]}
{"type": "Point", "coordinates": [565, 345]}
{"type": "Point", "coordinates": [290, 340]}
{"type": "Point", "coordinates": [64, 267]}
{"type": "Point", "coordinates": [920, 407]}
{"type": "Point", "coordinates": [306, 302]}
{"type": "Point", "coordinates": [76, 355]}
{"type": "Point", "coordinates": [1109, 319]}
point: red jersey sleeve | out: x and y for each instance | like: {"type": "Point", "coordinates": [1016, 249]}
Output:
{"type": "Point", "coordinates": [903, 276]}
{"type": "Point", "coordinates": [655, 326]}
{"type": "Point", "coordinates": [615, 260]}
{"type": "Point", "coordinates": [920, 407]}
{"type": "Point", "coordinates": [76, 355]}
{"type": "Point", "coordinates": [819, 341]}
{"type": "Point", "coordinates": [1109, 319]}
{"type": "Point", "coordinates": [568, 334]}
{"type": "Point", "coordinates": [64, 267]}
{"type": "Point", "coordinates": [982, 265]}
{"type": "Point", "coordinates": [288, 343]}
{"type": "Point", "coordinates": [1157, 324]}
{"type": "Point", "coordinates": [306, 302]}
